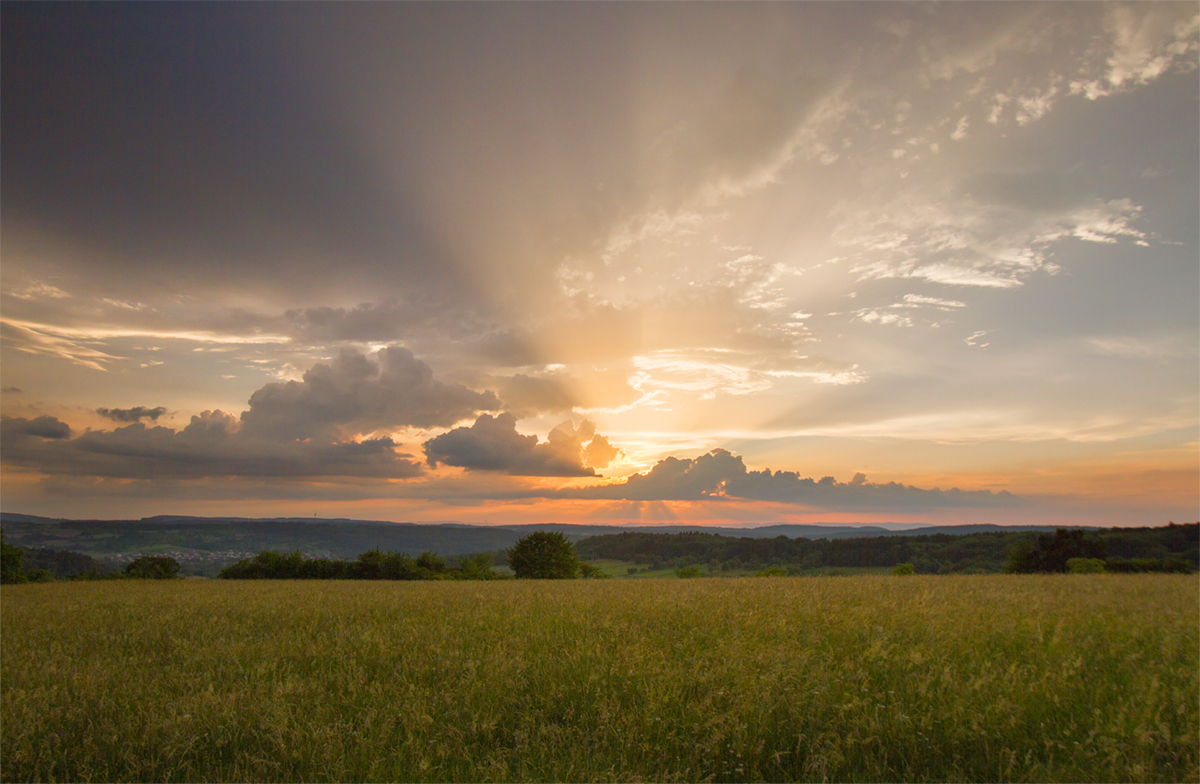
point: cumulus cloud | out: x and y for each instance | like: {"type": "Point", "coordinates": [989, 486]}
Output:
{"type": "Point", "coordinates": [40, 427]}
{"type": "Point", "coordinates": [599, 453]}
{"type": "Point", "coordinates": [721, 474]}
{"type": "Point", "coordinates": [293, 429]}
{"type": "Point", "coordinates": [395, 389]}
{"type": "Point", "coordinates": [493, 444]}
{"type": "Point", "coordinates": [211, 445]}
{"type": "Point", "coordinates": [135, 414]}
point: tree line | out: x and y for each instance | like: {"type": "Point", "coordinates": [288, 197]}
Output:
{"type": "Point", "coordinates": [43, 565]}
{"type": "Point", "coordinates": [540, 555]}
{"type": "Point", "coordinates": [371, 565]}
{"type": "Point", "coordinates": [1169, 548]}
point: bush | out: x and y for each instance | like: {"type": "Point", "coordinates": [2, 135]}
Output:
{"type": "Point", "coordinates": [589, 572]}
{"type": "Point", "coordinates": [772, 571]}
{"type": "Point", "coordinates": [1085, 566]}
{"type": "Point", "coordinates": [543, 555]}
{"type": "Point", "coordinates": [153, 567]}
{"type": "Point", "coordinates": [687, 572]}
{"type": "Point", "coordinates": [1139, 565]}
{"type": "Point", "coordinates": [904, 568]}
{"type": "Point", "coordinates": [477, 567]}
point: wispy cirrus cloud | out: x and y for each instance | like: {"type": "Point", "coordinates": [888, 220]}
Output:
{"type": "Point", "coordinates": [971, 243]}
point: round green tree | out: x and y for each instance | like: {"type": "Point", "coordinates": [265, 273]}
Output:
{"type": "Point", "coordinates": [543, 555]}
{"type": "Point", "coordinates": [153, 567]}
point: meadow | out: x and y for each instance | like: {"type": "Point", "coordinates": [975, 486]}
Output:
{"type": "Point", "coordinates": [864, 678]}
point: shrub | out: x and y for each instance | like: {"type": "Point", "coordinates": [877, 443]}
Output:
{"type": "Point", "coordinates": [904, 568]}
{"type": "Point", "coordinates": [590, 572]}
{"type": "Point", "coordinates": [686, 572]}
{"type": "Point", "coordinates": [153, 567]}
{"type": "Point", "coordinates": [1085, 566]}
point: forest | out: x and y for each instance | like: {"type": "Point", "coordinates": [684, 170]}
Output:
{"type": "Point", "coordinates": [1169, 548]}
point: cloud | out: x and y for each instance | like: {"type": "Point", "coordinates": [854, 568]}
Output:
{"type": "Point", "coordinates": [394, 390]}
{"type": "Point", "coordinates": [493, 444]}
{"type": "Point", "coordinates": [871, 316]}
{"type": "Point", "coordinates": [41, 427]}
{"type": "Point", "coordinates": [135, 414]}
{"type": "Point", "coordinates": [971, 242]}
{"type": "Point", "coordinates": [390, 320]}
{"type": "Point", "coordinates": [974, 338]}
{"type": "Point", "coordinates": [721, 474]}
{"type": "Point", "coordinates": [918, 300]}
{"type": "Point", "coordinates": [1144, 43]}
{"type": "Point", "coordinates": [960, 130]}
{"type": "Point", "coordinates": [211, 445]}
{"type": "Point", "coordinates": [41, 339]}
{"type": "Point", "coordinates": [292, 429]}
{"type": "Point", "coordinates": [1160, 348]}
{"type": "Point", "coordinates": [10, 391]}
{"type": "Point", "coordinates": [599, 453]}
{"type": "Point", "coordinates": [526, 395]}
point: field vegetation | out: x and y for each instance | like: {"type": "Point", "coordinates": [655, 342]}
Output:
{"type": "Point", "coordinates": [879, 678]}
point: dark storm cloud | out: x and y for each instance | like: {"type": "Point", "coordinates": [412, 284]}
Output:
{"type": "Point", "coordinates": [40, 427]}
{"type": "Point", "coordinates": [493, 444]}
{"type": "Point", "coordinates": [135, 414]}
{"type": "Point", "coordinates": [210, 446]}
{"type": "Point", "coordinates": [721, 474]}
{"type": "Point", "coordinates": [394, 390]}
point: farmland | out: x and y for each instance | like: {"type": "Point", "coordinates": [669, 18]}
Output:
{"type": "Point", "coordinates": [993, 677]}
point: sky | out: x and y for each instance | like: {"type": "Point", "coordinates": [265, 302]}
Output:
{"type": "Point", "coordinates": [602, 262]}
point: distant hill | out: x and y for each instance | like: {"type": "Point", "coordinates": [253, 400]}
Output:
{"type": "Point", "coordinates": [346, 538]}
{"type": "Point", "coordinates": [204, 545]}
{"type": "Point", "coordinates": [9, 517]}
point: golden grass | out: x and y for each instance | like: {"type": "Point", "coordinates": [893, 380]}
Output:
{"type": "Point", "coordinates": [998, 677]}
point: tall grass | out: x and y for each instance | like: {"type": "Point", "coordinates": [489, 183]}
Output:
{"type": "Point", "coordinates": [1043, 678]}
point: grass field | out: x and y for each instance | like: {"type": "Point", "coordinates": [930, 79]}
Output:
{"type": "Point", "coordinates": [620, 570]}
{"type": "Point", "coordinates": [1041, 678]}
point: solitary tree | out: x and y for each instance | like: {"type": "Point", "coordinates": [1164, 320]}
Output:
{"type": "Point", "coordinates": [544, 555]}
